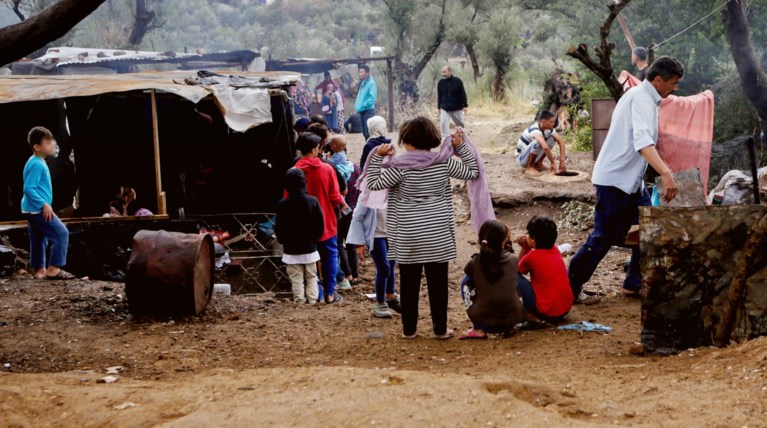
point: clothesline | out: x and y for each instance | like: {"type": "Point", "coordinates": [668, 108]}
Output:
{"type": "Point", "coordinates": [655, 46]}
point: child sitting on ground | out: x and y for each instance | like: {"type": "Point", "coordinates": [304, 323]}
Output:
{"type": "Point", "coordinates": [489, 290]}
{"type": "Point", "coordinates": [298, 226]}
{"type": "Point", "coordinates": [547, 296]}
{"type": "Point", "coordinates": [338, 157]}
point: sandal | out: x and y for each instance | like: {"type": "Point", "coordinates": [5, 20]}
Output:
{"type": "Point", "coordinates": [448, 335]}
{"type": "Point", "coordinates": [472, 334]}
{"type": "Point", "coordinates": [61, 276]}
{"type": "Point", "coordinates": [336, 299]}
{"type": "Point", "coordinates": [410, 337]}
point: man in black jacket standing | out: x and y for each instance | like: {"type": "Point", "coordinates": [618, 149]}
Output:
{"type": "Point", "coordinates": [452, 100]}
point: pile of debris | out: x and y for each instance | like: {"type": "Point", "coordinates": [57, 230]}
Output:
{"type": "Point", "coordinates": [576, 215]}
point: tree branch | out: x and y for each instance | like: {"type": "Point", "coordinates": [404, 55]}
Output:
{"type": "Point", "coordinates": [55, 21]}
{"type": "Point", "coordinates": [17, 11]}
{"type": "Point", "coordinates": [603, 68]}
{"type": "Point", "coordinates": [435, 44]}
{"type": "Point", "coordinates": [753, 78]}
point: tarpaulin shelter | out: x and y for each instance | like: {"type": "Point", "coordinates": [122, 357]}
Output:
{"type": "Point", "coordinates": [201, 142]}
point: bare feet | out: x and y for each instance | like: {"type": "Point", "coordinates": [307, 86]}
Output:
{"type": "Point", "coordinates": [39, 273]}
{"type": "Point", "coordinates": [532, 171]}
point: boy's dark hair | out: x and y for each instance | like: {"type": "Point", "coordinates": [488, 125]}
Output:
{"type": "Point", "coordinates": [364, 67]}
{"type": "Point", "coordinates": [37, 135]}
{"type": "Point", "coordinates": [420, 133]}
{"type": "Point", "coordinates": [326, 74]}
{"type": "Point", "coordinates": [666, 67]}
{"type": "Point", "coordinates": [543, 230]}
{"type": "Point", "coordinates": [318, 119]}
{"type": "Point", "coordinates": [307, 142]}
{"type": "Point", "coordinates": [319, 130]}
{"type": "Point", "coordinates": [546, 115]}
{"type": "Point", "coordinates": [295, 182]}
{"type": "Point", "coordinates": [492, 235]}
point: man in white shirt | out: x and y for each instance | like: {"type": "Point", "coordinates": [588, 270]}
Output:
{"type": "Point", "coordinates": [537, 142]}
{"type": "Point", "coordinates": [617, 177]}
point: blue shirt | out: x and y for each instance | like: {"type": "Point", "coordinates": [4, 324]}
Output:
{"type": "Point", "coordinates": [634, 126]}
{"type": "Point", "coordinates": [38, 190]}
{"type": "Point", "coordinates": [367, 95]}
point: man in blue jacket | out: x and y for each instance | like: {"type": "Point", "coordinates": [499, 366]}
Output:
{"type": "Point", "coordinates": [366, 98]}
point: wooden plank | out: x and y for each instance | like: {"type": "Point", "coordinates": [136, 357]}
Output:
{"type": "Point", "coordinates": [161, 207]}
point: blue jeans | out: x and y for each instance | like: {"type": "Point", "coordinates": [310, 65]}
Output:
{"type": "Point", "coordinates": [528, 300]}
{"type": "Point", "coordinates": [328, 250]}
{"type": "Point", "coordinates": [385, 274]}
{"type": "Point", "coordinates": [614, 214]}
{"type": "Point", "coordinates": [364, 116]}
{"type": "Point", "coordinates": [42, 233]}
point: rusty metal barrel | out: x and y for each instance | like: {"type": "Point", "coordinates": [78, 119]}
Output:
{"type": "Point", "coordinates": [170, 273]}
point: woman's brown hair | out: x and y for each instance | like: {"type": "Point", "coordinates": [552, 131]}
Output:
{"type": "Point", "coordinates": [420, 133]}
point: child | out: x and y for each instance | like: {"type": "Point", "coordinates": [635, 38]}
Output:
{"type": "Point", "coordinates": [368, 229]}
{"type": "Point", "coordinates": [299, 226]}
{"type": "Point", "coordinates": [549, 297]}
{"type": "Point", "coordinates": [338, 157]}
{"type": "Point", "coordinates": [44, 226]}
{"type": "Point", "coordinates": [489, 290]}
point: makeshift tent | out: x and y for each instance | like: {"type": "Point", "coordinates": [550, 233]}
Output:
{"type": "Point", "coordinates": [172, 136]}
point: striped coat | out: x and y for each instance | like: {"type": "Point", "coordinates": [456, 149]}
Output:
{"type": "Point", "coordinates": [420, 224]}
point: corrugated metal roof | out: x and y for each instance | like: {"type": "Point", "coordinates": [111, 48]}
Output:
{"type": "Point", "coordinates": [65, 56]}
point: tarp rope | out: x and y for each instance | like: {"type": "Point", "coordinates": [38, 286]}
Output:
{"type": "Point", "coordinates": [655, 46]}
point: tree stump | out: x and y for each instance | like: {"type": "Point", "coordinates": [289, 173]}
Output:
{"type": "Point", "coordinates": [704, 276]}
{"type": "Point", "coordinates": [170, 273]}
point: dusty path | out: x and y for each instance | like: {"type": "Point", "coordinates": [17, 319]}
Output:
{"type": "Point", "coordinates": [260, 361]}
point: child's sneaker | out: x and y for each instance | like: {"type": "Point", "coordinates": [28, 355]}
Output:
{"type": "Point", "coordinates": [395, 305]}
{"type": "Point", "coordinates": [381, 310]}
{"type": "Point", "coordinates": [344, 285]}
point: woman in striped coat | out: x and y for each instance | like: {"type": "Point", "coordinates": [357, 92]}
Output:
{"type": "Point", "coordinates": [421, 225]}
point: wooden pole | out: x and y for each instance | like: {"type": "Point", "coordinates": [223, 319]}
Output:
{"type": "Point", "coordinates": [626, 32]}
{"type": "Point", "coordinates": [161, 204]}
{"type": "Point", "coordinates": [390, 83]}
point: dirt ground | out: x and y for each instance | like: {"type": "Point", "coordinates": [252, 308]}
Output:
{"type": "Point", "coordinates": [268, 362]}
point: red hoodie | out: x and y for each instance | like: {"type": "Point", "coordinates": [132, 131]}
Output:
{"type": "Point", "coordinates": [321, 182]}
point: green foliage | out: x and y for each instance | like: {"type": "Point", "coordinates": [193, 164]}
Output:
{"type": "Point", "coordinates": [734, 116]}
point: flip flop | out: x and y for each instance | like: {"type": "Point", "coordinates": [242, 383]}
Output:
{"type": "Point", "coordinates": [411, 337]}
{"type": "Point", "coordinates": [61, 276]}
{"type": "Point", "coordinates": [448, 335]}
{"type": "Point", "coordinates": [471, 334]}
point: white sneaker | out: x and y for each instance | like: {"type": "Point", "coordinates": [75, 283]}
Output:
{"type": "Point", "coordinates": [381, 310]}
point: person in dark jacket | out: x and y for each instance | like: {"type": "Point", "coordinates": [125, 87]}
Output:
{"type": "Point", "coordinates": [353, 125]}
{"type": "Point", "coordinates": [300, 224]}
{"type": "Point", "coordinates": [452, 100]}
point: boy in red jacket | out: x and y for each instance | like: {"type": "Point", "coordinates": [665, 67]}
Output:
{"type": "Point", "coordinates": [547, 297]}
{"type": "Point", "coordinates": [321, 182]}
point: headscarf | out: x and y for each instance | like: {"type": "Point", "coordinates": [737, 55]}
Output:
{"type": "Point", "coordinates": [377, 127]}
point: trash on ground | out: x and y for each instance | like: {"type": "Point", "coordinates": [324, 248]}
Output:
{"type": "Point", "coordinates": [586, 326]}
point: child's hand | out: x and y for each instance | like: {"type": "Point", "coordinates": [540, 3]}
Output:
{"type": "Point", "coordinates": [385, 150]}
{"type": "Point", "coordinates": [522, 241]}
{"type": "Point", "coordinates": [48, 213]}
{"type": "Point", "coordinates": [360, 252]}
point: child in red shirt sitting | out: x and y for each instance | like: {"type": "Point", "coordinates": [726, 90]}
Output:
{"type": "Point", "coordinates": [549, 297]}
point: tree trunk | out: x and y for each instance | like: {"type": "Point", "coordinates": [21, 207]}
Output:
{"type": "Point", "coordinates": [474, 60]}
{"type": "Point", "coordinates": [55, 21]}
{"type": "Point", "coordinates": [498, 86]}
{"type": "Point", "coordinates": [17, 11]}
{"type": "Point", "coordinates": [603, 68]}
{"type": "Point", "coordinates": [753, 78]}
{"type": "Point", "coordinates": [141, 23]}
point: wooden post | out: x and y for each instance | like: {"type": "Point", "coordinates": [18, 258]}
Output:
{"type": "Point", "coordinates": [161, 204]}
{"type": "Point", "coordinates": [390, 83]}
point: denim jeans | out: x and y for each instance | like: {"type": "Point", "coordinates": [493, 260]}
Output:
{"type": "Point", "coordinates": [328, 250]}
{"type": "Point", "coordinates": [42, 233]}
{"type": "Point", "coordinates": [528, 300]}
{"type": "Point", "coordinates": [385, 273]}
{"type": "Point", "coordinates": [614, 214]}
{"type": "Point", "coordinates": [364, 116]}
